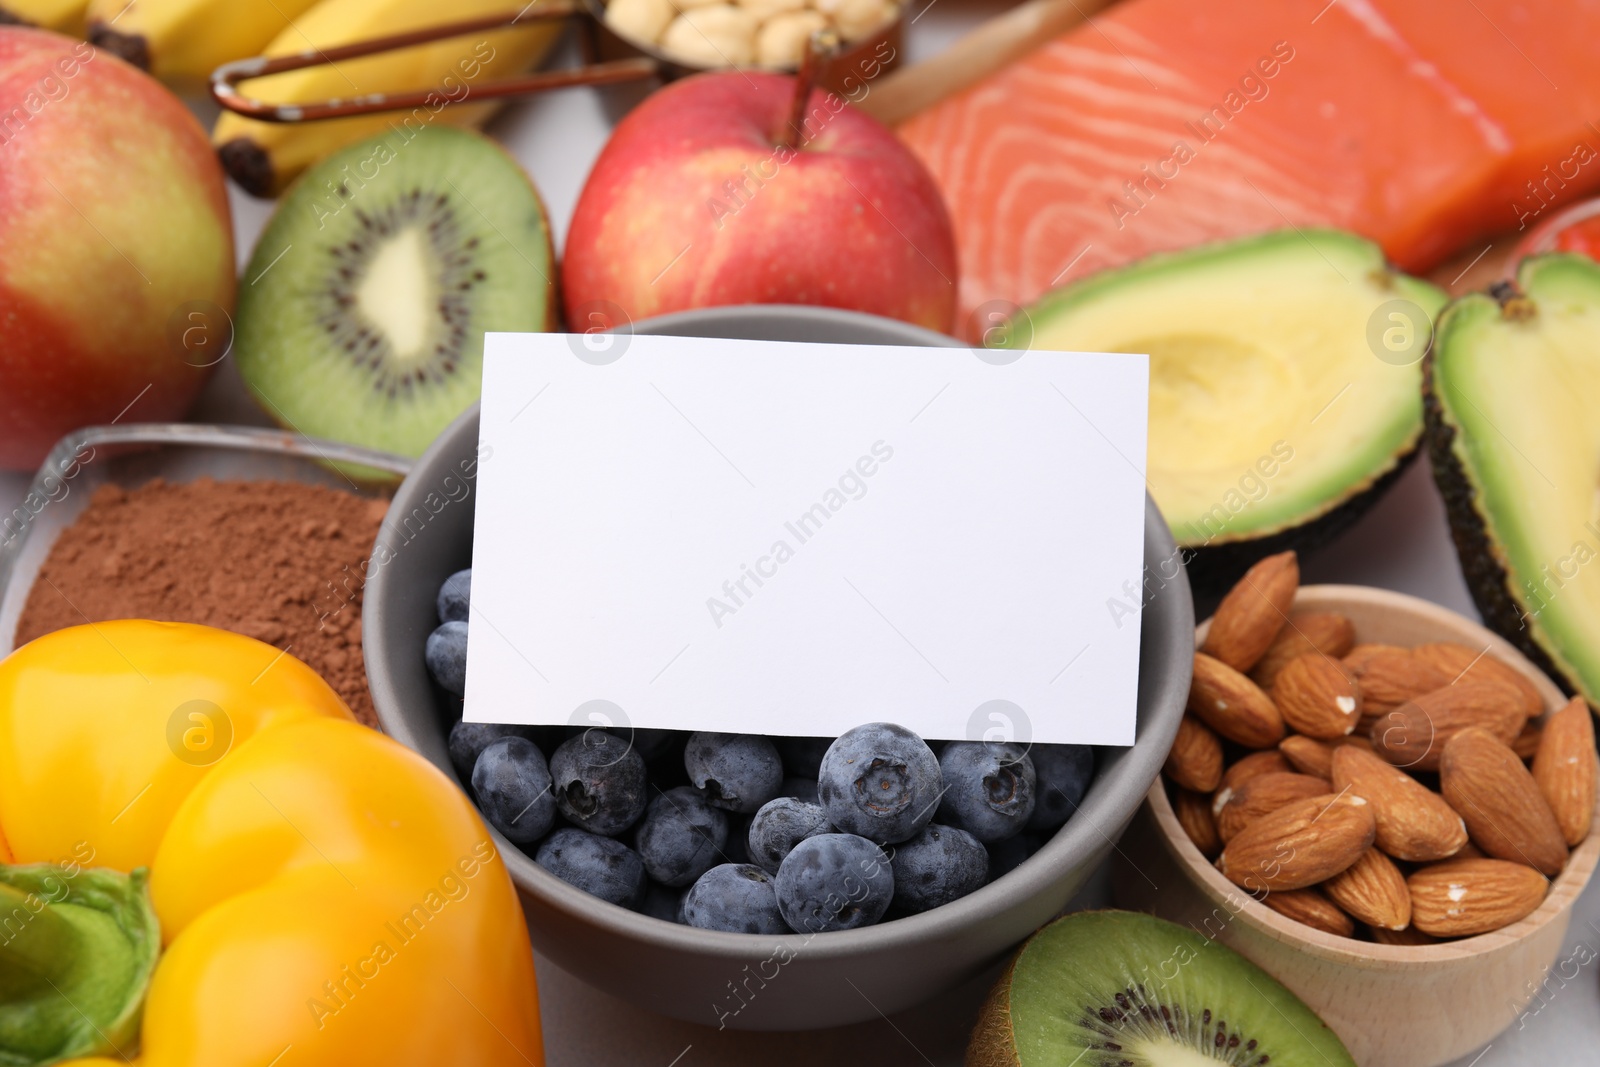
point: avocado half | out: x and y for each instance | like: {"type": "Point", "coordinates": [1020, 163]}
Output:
{"type": "Point", "coordinates": [1513, 427]}
{"type": "Point", "coordinates": [1285, 384]}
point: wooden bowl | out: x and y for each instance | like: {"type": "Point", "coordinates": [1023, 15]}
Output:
{"type": "Point", "coordinates": [1393, 1005]}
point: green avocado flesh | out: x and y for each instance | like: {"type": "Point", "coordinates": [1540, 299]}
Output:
{"type": "Point", "coordinates": [1119, 989]}
{"type": "Point", "coordinates": [1268, 405]}
{"type": "Point", "coordinates": [1514, 396]}
{"type": "Point", "coordinates": [361, 316]}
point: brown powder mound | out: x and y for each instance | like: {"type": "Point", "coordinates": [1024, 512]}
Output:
{"type": "Point", "coordinates": [282, 562]}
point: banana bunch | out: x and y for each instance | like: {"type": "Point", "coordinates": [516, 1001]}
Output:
{"type": "Point", "coordinates": [183, 41]}
{"type": "Point", "coordinates": [63, 16]}
{"type": "Point", "coordinates": [264, 157]}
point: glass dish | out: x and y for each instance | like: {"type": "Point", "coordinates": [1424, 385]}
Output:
{"type": "Point", "coordinates": [132, 455]}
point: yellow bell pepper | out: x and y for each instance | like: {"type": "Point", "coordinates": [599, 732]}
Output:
{"type": "Point", "coordinates": [115, 723]}
{"type": "Point", "coordinates": [325, 896]}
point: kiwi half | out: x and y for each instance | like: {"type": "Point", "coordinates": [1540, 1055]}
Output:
{"type": "Point", "coordinates": [1120, 989]}
{"type": "Point", "coordinates": [361, 316]}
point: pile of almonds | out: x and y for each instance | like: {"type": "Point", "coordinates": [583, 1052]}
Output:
{"type": "Point", "coordinates": [743, 33]}
{"type": "Point", "coordinates": [1400, 794]}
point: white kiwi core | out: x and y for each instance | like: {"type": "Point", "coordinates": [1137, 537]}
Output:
{"type": "Point", "coordinates": [396, 294]}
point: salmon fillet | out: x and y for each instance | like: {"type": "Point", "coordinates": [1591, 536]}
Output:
{"type": "Point", "coordinates": [1164, 123]}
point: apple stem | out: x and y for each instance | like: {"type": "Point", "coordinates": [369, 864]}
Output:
{"type": "Point", "coordinates": [819, 46]}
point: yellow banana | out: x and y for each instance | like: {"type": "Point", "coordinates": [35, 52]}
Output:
{"type": "Point", "coordinates": [63, 16]}
{"type": "Point", "coordinates": [183, 41]}
{"type": "Point", "coordinates": [264, 157]}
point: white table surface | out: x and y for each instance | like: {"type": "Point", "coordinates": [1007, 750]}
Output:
{"type": "Point", "coordinates": [1402, 544]}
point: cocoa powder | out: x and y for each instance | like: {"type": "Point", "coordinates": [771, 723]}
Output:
{"type": "Point", "coordinates": [282, 562]}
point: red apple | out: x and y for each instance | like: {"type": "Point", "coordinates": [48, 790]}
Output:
{"type": "Point", "coordinates": [116, 246]}
{"type": "Point", "coordinates": [694, 202]}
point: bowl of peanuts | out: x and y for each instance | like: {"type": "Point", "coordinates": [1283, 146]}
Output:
{"type": "Point", "coordinates": [1378, 801]}
{"type": "Point", "coordinates": [687, 36]}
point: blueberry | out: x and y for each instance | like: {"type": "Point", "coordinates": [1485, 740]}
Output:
{"type": "Point", "coordinates": [780, 825]}
{"type": "Point", "coordinates": [467, 739]}
{"type": "Point", "coordinates": [512, 786]}
{"type": "Point", "coordinates": [834, 882]}
{"type": "Point", "coordinates": [446, 656]}
{"type": "Point", "coordinates": [681, 837]}
{"type": "Point", "coordinates": [739, 898]}
{"type": "Point", "coordinates": [661, 902]}
{"type": "Point", "coordinates": [600, 866]}
{"type": "Point", "coordinates": [988, 788]}
{"type": "Point", "coordinates": [599, 782]}
{"type": "Point", "coordinates": [937, 866]}
{"type": "Point", "coordinates": [880, 781]}
{"type": "Point", "coordinates": [1063, 773]}
{"type": "Point", "coordinates": [1006, 856]}
{"type": "Point", "coordinates": [737, 772]}
{"type": "Point", "coordinates": [455, 597]}
{"type": "Point", "coordinates": [802, 756]}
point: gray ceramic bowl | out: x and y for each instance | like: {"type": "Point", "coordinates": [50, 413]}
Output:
{"type": "Point", "coordinates": [792, 982]}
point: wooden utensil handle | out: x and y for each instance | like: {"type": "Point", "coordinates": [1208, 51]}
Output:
{"type": "Point", "coordinates": [1000, 40]}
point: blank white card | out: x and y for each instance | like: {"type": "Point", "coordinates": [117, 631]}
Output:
{"type": "Point", "coordinates": [779, 538]}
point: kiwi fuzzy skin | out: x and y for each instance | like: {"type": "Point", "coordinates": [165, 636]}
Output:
{"type": "Point", "coordinates": [993, 1044]}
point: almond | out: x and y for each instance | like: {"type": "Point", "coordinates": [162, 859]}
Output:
{"type": "Point", "coordinates": [1373, 890]}
{"type": "Point", "coordinates": [1300, 845]}
{"type": "Point", "coordinates": [1414, 823]}
{"type": "Point", "coordinates": [1318, 696]}
{"type": "Point", "coordinates": [1464, 897]}
{"type": "Point", "coordinates": [1250, 616]}
{"type": "Point", "coordinates": [1409, 936]}
{"type": "Point", "coordinates": [1194, 815]}
{"type": "Point", "coordinates": [1195, 760]}
{"type": "Point", "coordinates": [1270, 761]}
{"type": "Point", "coordinates": [1233, 705]}
{"type": "Point", "coordinates": [1323, 631]}
{"type": "Point", "coordinates": [1309, 756]}
{"type": "Point", "coordinates": [1565, 768]}
{"type": "Point", "coordinates": [1389, 676]}
{"type": "Point", "coordinates": [1477, 665]}
{"type": "Point", "coordinates": [1414, 734]}
{"type": "Point", "coordinates": [1263, 794]}
{"type": "Point", "coordinates": [1313, 909]}
{"type": "Point", "coordinates": [1496, 795]}
{"type": "Point", "coordinates": [1360, 655]}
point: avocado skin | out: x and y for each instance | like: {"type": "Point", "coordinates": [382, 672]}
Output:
{"type": "Point", "coordinates": [1214, 569]}
{"type": "Point", "coordinates": [1490, 585]}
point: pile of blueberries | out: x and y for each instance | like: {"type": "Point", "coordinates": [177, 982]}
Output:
{"type": "Point", "coordinates": [754, 834]}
